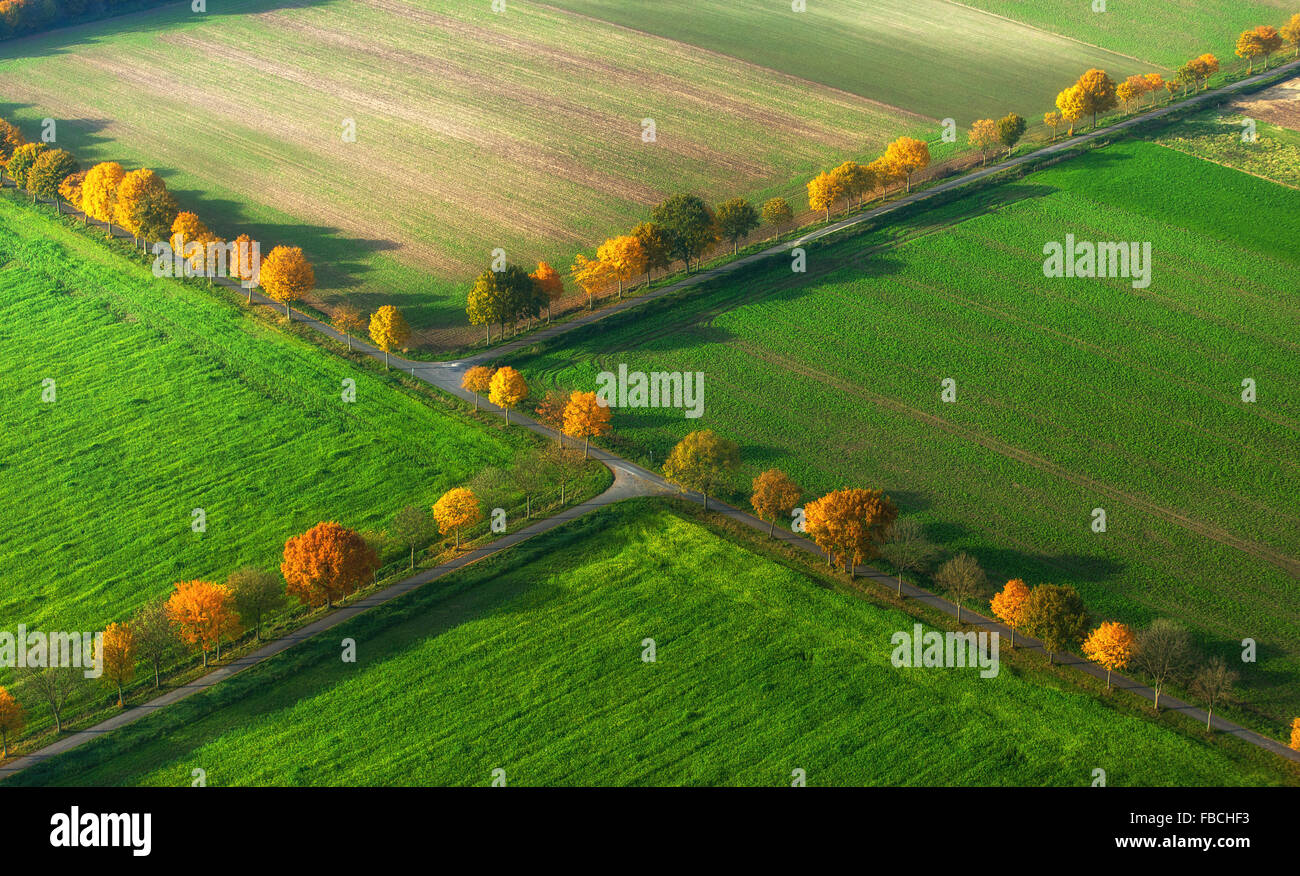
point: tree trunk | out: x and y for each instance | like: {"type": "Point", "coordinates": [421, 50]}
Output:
{"type": "Point", "coordinates": [900, 584]}
{"type": "Point", "coordinates": [205, 658]}
{"type": "Point", "coordinates": [586, 442]}
{"type": "Point", "coordinates": [476, 399]}
{"type": "Point", "coordinates": [412, 557]}
{"type": "Point", "coordinates": [1107, 679]}
{"type": "Point", "coordinates": [157, 680]}
{"type": "Point", "coordinates": [457, 538]}
{"type": "Point", "coordinates": [1209, 716]}
{"type": "Point", "coordinates": [1157, 700]}
{"type": "Point", "coordinates": [505, 411]}
{"type": "Point", "coordinates": [706, 501]}
{"type": "Point", "coordinates": [58, 721]}
{"type": "Point", "coordinates": [528, 500]}
{"type": "Point", "coordinates": [120, 704]}
{"type": "Point", "coordinates": [771, 530]}
{"type": "Point", "coordinates": [385, 360]}
{"type": "Point", "coordinates": [958, 604]}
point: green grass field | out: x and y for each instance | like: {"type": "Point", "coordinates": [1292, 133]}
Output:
{"type": "Point", "coordinates": [1159, 31]}
{"type": "Point", "coordinates": [1072, 394]}
{"type": "Point", "coordinates": [167, 400]}
{"type": "Point", "coordinates": [933, 57]}
{"type": "Point", "coordinates": [1216, 136]}
{"type": "Point", "coordinates": [474, 131]}
{"type": "Point", "coordinates": [531, 662]}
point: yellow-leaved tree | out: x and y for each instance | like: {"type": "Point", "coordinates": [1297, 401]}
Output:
{"type": "Point", "coordinates": [1110, 646]}
{"type": "Point", "coordinates": [702, 461]}
{"type": "Point", "coordinates": [585, 416]}
{"type": "Point", "coordinates": [119, 657]}
{"type": "Point", "coordinates": [507, 389]}
{"type": "Point", "coordinates": [286, 275]}
{"type": "Point", "coordinates": [1071, 105]}
{"type": "Point", "coordinates": [388, 330]}
{"type": "Point", "coordinates": [349, 321]}
{"type": "Point", "coordinates": [477, 380]}
{"type": "Point", "coordinates": [983, 135]}
{"type": "Point", "coordinates": [624, 257]}
{"type": "Point", "coordinates": [455, 510]}
{"type": "Point", "coordinates": [99, 192]}
{"type": "Point", "coordinates": [823, 191]}
{"type": "Point", "coordinates": [907, 156]}
{"type": "Point", "coordinates": [143, 205]}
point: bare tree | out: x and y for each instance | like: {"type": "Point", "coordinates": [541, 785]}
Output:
{"type": "Point", "coordinates": [963, 578]}
{"type": "Point", "coordinates": [155, 640]}
{"type": "Point", "coordinates": [256, 593]}
{"type": "Point", "coordinates": [55, 684]}
{"type": "Point", "coordinates": [1164, 652]}
{"type": "Point", "coordinates": [411, 526]}
{"type": "Point", "coordinates": [907, 548]}
{"type": "Point", "coordinates": [1213, 683]}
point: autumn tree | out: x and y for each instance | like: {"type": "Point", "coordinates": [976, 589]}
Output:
{"type": "Point", "coordinates": [702, 461]}
{"type": "Point", "coordinates": [1154, 83]}
{"type": "Point", "coordinates": [736, 218]}
{"type": "Point", "coordinates": [1164, 651]}
{"type": "Point", "coordinates": [591, 275]}
{"type": "Point", "coordinates": [348, 321]}
{"type": "Point", "coordinates": [1054, 614]}
{"type": "Point", "coordinates": [11, 719]}
{"type": "Point", "coordinates": [1203, 67]}
{"type": "Point", "coordinates": [187, 227]}
{"type": "Point", "coordinates": [963, 578]}
{"type": "Point", "coordinates": [907, 548]}
{"type": "Point", "coordinates": [10, 139]}
{"type": "Point", "coordinates": [144, 207]}
{"type": "Point", "coordinates": [388, 330]}
{"type": "Point", "coordinates": [155, 638]}
{"type": "Point", "coordinates": [477, 380]}
{"type": "Point", "coordinates": [857, 179]}
{"type": "Point", "coordinates": [455, 510]}
{"type": "Point", "coordinates": [1290, 32]}
{"type": "Point", "coordinates": [1213, 684]}
{"type": "Point", "coordinates": [1130, 90]}
{"type": "Point", "coordinates": [777, 213]}
{"type": "Point", "coordinates": [550, 285]}
{"type": "Point", "coordinates": [119, 657]}
{"type": "Point", "coordinates": [550, 411]}
{"type": "Point", "coordinates": [246, 263]}
{"type": "Point", "coordinates": [487, 303]}
{"type": "Point", "coordinates": [70, 189]}
{"type": "Point", "coordinates": [654, 245]}
{"type": "Point", "coordinates": [823, 191]}
{"type": "Point", "coordinates": [774, 497]}
{"type": "Point", "coordinates": [55, 685]}
{"type": "Point", "coordinates": [255, 593]}
{"type": "Point", "coordinates": [288, 276]}
{"type": "Point", "coordinates": [507, 389]}
{"type": "Point", "coordinates": [1052, 120]}
{"type": "Point", "coordinates": [1008, 605]}
{"type": "Point", "coordinates": [850, 524]}
{"type": "Point", "coordinates": [687, 224]}
{"type": "Point", "coordinates": [585, 417]}
{"type": "Point", "coordinates": [1250, 47]}
{"type": "Point", "coordinates": [1097, 92]}
{"type": "Point", "coordinates": [325, 563]}
{"type": "Point", "coordinates": [1010, 128]}
{"type": "Point", "coordinates": [49, 171]}
{"type": "Point", "coordinates": [1072, 106]}
{"type": "Point", "coordinates": [1111, 647]}
{"type": "Point", "coordinates": [906, 156]}
{"type": "Point", "coordinates": [99, 192]}
{"type": "Point", "coordinates": [202, 613]}
{"type": "Point", "coordinates": [624, 257]}
{"type": "Point", "coordinates": [1295, 726]}
{"type": "Point", "coordinates": [23, 160]}
{"type": "Point", "coordinates": [983, 135]}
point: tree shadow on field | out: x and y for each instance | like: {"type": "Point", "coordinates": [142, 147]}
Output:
{"type": "Point", "coordinates": [147, 20]}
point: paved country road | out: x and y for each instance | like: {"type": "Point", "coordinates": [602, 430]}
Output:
{"type": "Point", "coordinates": [632, 480]}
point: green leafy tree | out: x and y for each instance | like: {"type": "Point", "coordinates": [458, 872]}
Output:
{"type": "Point", "coordinates": [52, 167]}
{"type": "Point", "coordinates": [1054, 614]}
{"type": "Point", "coordinates": [702, 461]}
{"type": "Point", "coordinates": [688, 225]}
{"type": "Point", "coordinates": [736, 218]}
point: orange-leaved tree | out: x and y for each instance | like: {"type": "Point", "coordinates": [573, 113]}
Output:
{"type": "Point", "coordinates": [12, 719]}
{"type": "Point", "coordinates": [10, 139]}
{"type": "Point", "coordinates": [388, 330]}
{"type": "Point", "coordinates": [1110, 646]}
{"type": "Point", "coordinates": [1295, 733]}
{"type": "Point", "coordinates": [906, 156]}
{"type": "Point", "coordinates": [507, 389]}
{"type": "Point", "coordinates": [549, 282]}
{"type": "Point", "coordinates": [774, 497]}
{"type": "Point", "coordinates": [287, 275]}
{"type": "Point", "coordinates": [1097, 93]}
{"type": "Point", "coordinates": [246, 263]}
{"type": "Point", "coordinates": [1290, 32]}
{"type": "Point", "coordinates": [477, 380]}
{"type": "Point", "coordinates": [551, 412]}
{"type": "Point", "coordinates": [201, 612]}
{"type": "Point", "coordinates": [119, 656]}
{"type": "Point", "coordinates": [586, 416]}
{"type": "Point", "coordinates": [702, 461]}
{"type": "Point", "coordinates": [1008, 605]}
{"type": "Point", "coordinates": [456, 509]}
{"type": "Point", "coordinates": [325, 563]}
{"type": "Point", "coordinates": [848, 524]}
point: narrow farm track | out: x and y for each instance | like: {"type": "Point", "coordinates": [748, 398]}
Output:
{"type": "Point", "coordinates": [631, 480]}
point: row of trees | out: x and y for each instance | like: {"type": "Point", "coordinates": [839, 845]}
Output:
{"type": "Point", "coordinates": [854, 525]}
{"type": "Point", "coordinates": [138, 201]}
{"type": "Point", "coordinates": [18, 17]}
{"type": "Point", "coordinates": [851, 181]}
